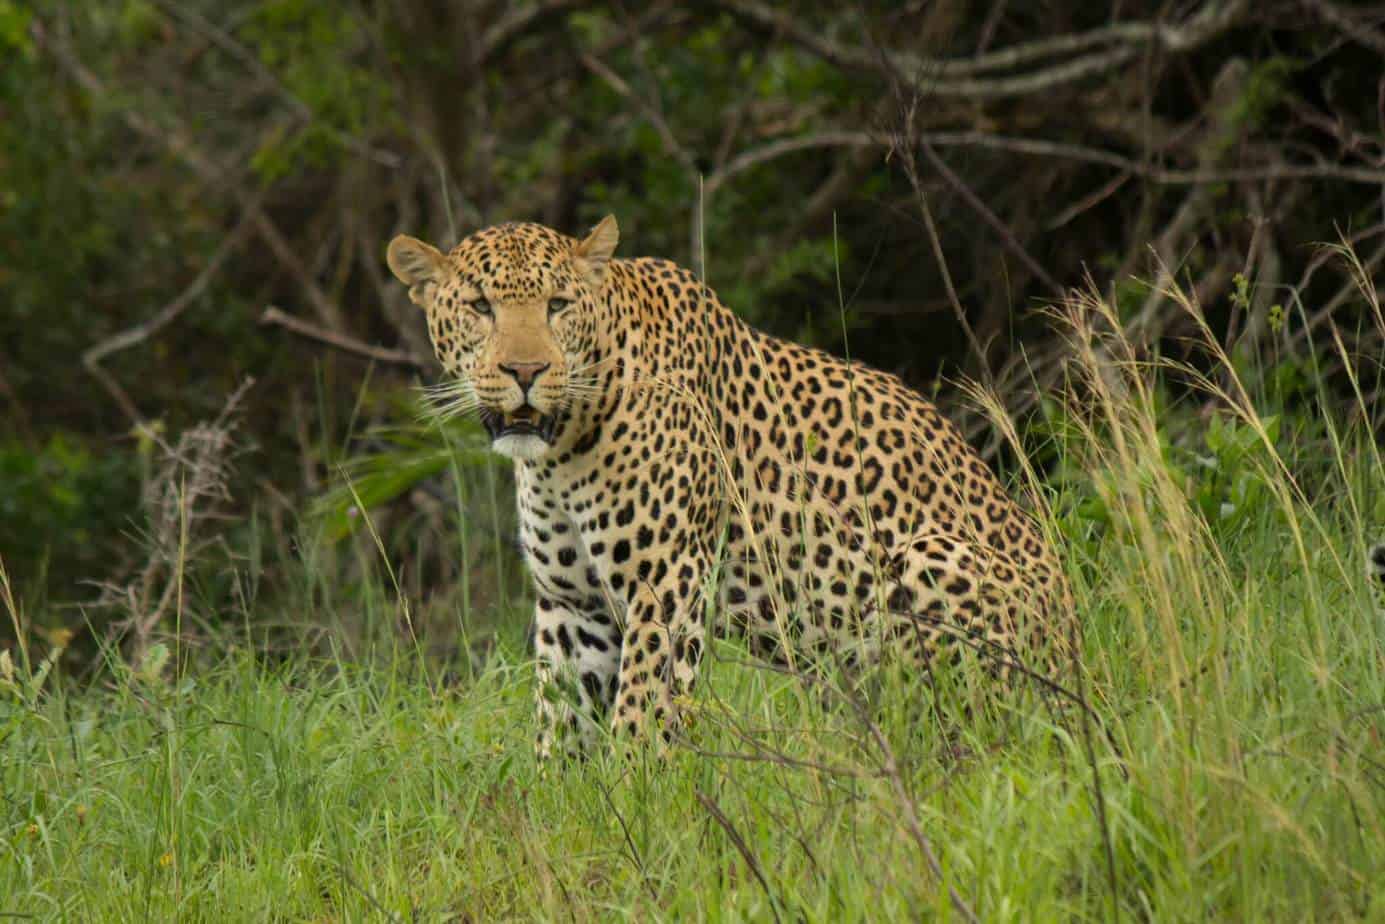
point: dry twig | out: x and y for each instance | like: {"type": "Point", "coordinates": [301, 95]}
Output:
{"type": "Point", "coordinates": [141, 332]}
{"type": "Point", "coordinates": [185, 494]}
{"type": "Point", "coordinates": [742, 848]}
{"type": "Point", "coordinates": [273, 315]}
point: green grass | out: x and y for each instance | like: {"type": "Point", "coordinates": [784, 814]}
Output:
{"type": "Point", "coordinates": [1238, 662]}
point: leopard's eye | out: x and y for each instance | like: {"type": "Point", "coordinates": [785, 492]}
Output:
{"type": "Point", "coordinates": [556, 305]}
{"type": "Point", "coordinates": [481, 307]}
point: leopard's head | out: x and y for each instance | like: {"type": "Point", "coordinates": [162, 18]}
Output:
{"type": "Point", "coordinates": [514, 314]}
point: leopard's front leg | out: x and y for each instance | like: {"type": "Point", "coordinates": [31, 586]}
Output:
{"type": "Point", "coordinates": [663, 644]}
{"type": "Point", "coordinates": [578, 655]}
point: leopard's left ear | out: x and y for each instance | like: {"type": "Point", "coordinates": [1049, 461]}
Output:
{"type": "Point", "coordinates": [593, 254]}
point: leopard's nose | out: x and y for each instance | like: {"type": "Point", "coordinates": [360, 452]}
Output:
{"type": "Point", "coordinates": [524, 373]}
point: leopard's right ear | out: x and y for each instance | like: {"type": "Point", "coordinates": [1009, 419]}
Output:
{"type": "Point", "coordinates": [416, 264]}
{"type": "Point", "coordinates": [593, 254]}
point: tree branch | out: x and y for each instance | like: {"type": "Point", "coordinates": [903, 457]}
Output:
{"type": "Point", "coordinates": [273, 315]}
{"type": "Point", "coordinates": [515, 23]}
{"type": "Point", "coordinates": [181, 145]}
{"type": "Point", "coordinates": [904, 143]}
{"type": "Point", "coordinates": [651, 112]}
{"type": "Point", "coordinates": [990, 218]}
{"type": "Point", "coordinates": [1358, 32]}
{"type": "Point", "coordinates": [251, 61]}
{"type": "Point", "coordinates": [1039, 147]}
{"type": "Point", "coordinates": [141, 332]}
{"type": "Point", "coordinates": [960, 77]}
{"type": "Point", "coordinates": [754, 157]}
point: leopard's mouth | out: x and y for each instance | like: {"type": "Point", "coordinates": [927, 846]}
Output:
{"type": "Point", "coordinates": [526, 420]}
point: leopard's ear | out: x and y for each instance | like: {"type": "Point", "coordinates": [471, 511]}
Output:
{"type": "Point", "coordinates": [416, 264]}
{"type": "Point", "coordinates": [593, 254]}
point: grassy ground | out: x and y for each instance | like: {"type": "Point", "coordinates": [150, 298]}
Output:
{"type": "Point", "coordinates": [1234, 654]}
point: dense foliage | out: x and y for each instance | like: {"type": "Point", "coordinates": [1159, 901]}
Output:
{"type": "Point", "coordinates": [874, 172]}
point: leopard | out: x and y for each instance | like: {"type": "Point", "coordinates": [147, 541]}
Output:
{"type": "Point", "coordinates": [682, 476]}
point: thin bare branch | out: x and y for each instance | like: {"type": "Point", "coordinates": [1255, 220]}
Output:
{"type": "Point", "coordinates": [169, 312]}
{"type": "Point", "coordinates": [1153, 173]}
{"type": "Point", "coordinates": [742, 848]}
{"type": "Point", "coordinates": [273, 315]}
{"type": "Point", "coordinates": [516, 22]}
{"type": "Point", "coordinates": [1087, 201]}
{"type": "Point", "coordinates": [1038, 147]}
{"type": "Point", "coordinates": [903, 146]}
{"type": "Point", "coordinates": [141, 332]}
{"type": "Point", "coordinates": [959, 77]}
{"type": "Point", "coordinates": [1358, 32]}
{"type": "Point", "coordinates": [180, 143]}
{"type": "Point", "coordinates": [251, 61]}
{"type": "Point", "coordinates": [1006, 235]}
{"type": "Point", "coordinates": [328, 311]}
{"type": "Point", "coordinates": [631, 850]}
{"type": "Point", "coordinates": [990, 24]}
{"type": "Point", "coordinates": [890, 769]}
{"type": "Point", "coordinates": [754, 157]}
{"type": "Point", "coordinates": [672, 146]}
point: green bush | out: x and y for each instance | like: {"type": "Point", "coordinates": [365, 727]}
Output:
{"type": "Point", "coordinates": [65, 509]}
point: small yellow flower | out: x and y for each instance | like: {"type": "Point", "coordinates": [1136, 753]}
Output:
{"type": "Point", "coordinates": [32, 829]}
{"type": "Point", "coordinates": [166, 860]}
{"type": "Point", "coordinates": [81, 814]}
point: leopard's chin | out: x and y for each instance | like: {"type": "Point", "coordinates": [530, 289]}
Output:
{"type": "Point", "coordinates": [523, 446]}
{"type": "Point", "coordinates": [523, 433]}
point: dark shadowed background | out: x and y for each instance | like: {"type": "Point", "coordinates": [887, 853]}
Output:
{"type": "Point", "coordinates": [194, 194]}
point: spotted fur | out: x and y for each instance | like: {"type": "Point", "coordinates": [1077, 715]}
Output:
{"type": "Point", "coordinates": [664, 449]}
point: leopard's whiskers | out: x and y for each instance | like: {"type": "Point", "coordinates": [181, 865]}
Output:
{"type": "Point", "coordinates": [587, 367]}
{"type": "Point", "coordinates": [449, 399]}
{"type": "Point", "coordinates": [580, 387]}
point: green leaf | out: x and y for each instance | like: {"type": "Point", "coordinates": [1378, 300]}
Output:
{"type": "Point", "coordinates": [14, 29]}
